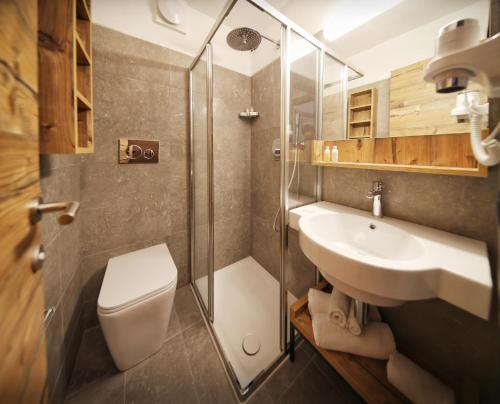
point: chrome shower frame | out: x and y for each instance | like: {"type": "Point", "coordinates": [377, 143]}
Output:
{"type": "Point", "coordinates": [287, 27]}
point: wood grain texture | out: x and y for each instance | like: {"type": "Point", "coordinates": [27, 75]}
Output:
{"type": "Point", "coordinates": [361, 114]}
{"type": "Point", "coordinates": [415, 107]}
{"type": "Point", "coordinates": [65, 75]}
{"type": "Point", "coordinates": [22, 345]}
{"type": "Point", "coordinates": [57, 103]}
{"type": "Point", "coordinates": [440, 154]}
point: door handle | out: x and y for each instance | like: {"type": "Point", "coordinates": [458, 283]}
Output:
{"type": "Point", "coordinates": [38, 208]}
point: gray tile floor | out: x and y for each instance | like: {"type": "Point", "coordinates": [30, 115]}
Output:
{"type": "Point", "coordinates": [188, 370]}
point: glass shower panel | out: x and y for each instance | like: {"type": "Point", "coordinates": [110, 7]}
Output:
{"type": "Point", "coordinates": [246, 74]}
{"type": "Point", "coordinates": [200, 185]}
{"type": "Point", "coordinates": [301, 180]}
{"type": "Point", "coordinates": [334, 87]}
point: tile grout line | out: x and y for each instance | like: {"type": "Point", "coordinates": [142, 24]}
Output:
{"type": "Point", "coordinates": [189, 362]}
{"type": "Point", "coordinates": [292, 382]}
{"type": "Point", "coordinates": [214, 344]}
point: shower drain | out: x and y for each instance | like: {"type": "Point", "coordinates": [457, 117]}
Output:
{"type": "Point", "coordinates": [251, 344]}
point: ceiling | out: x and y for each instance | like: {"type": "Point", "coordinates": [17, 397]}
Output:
{"type": "Point", "coordinates": [356, 24]}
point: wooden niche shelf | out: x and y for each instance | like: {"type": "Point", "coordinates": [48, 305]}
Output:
{"type": "Point", "coordinates": [65, 76]}
{"type": "Point", "coordinates": [449, 154]}
{"type": "Point", "coordinates": [361, 114]}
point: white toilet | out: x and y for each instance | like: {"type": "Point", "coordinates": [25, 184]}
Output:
{"type": "Point", "coordinates": [135, 303]}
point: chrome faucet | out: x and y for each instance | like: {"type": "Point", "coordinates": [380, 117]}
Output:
{"type": "Point", "coordinates": [376, 195]}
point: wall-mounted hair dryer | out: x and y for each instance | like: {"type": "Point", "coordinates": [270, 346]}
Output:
{"type": "Point", "coordinates": [460, 56]}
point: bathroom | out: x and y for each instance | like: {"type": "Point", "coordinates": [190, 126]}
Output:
{"type": "Point", "coordinates": [249, 201]}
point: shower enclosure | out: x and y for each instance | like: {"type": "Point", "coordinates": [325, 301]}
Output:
{"type": "Point", "coordinates": [259, 90]}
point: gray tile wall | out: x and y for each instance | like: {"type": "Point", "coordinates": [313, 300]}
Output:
{"type": "Point", "coordinates": [141, 92]}
{"type": "Point", "coordinates": [434, 333]}
{"type": "Point", "coordinates": [232, 167]}
{"type": "Point", "coordinates": [265, 169]}
{"type": "Point", "coordinates": [265, 246]}
{"type": "Point", "coordinates": [60, 181]}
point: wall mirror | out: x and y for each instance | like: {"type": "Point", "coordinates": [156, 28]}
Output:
{"type": "Point", "coordinates": [394, 119]}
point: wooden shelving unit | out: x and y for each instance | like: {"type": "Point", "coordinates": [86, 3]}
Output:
{"type": "Point", "coordinates": [365, 375]}
{"type": "Point", "coordinates": [361, 114]}
{"type": "Point", "coordinates": [65, 76]}
{"type": "Point", "coordinates": [449, 154]}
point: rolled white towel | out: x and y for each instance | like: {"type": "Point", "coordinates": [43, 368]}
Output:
{"type": "Point", "coordinates": [416, 383]}
{"type": "Point", "coordinates": [376, 341]}
{"type": "Point", "coordinates": [339, 307]}
{"type": "Point", "coordinates": [318, 301]}
{"type": "Point", "coordinates": [353, 325]}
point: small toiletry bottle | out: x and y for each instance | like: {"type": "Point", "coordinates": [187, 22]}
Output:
{"type": "Point", "coordinates": [335, 154]}
{"type": "Point", "coordinates": [327, 155]}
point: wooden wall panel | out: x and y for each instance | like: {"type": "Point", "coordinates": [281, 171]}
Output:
{"type": "Point", "coordinates": [415, 107]}
{"type": "Point", "coordinates": [57, 76]}
{"type": "Point", "coordinates": [440, 154]}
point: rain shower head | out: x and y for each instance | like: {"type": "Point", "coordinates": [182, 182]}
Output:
{"type": "Point", "coordinates": [244, 39]}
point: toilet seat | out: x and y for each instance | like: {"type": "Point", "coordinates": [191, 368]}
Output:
{"type": "Point", "coordinates": [135, 277]}
{"type": "Point", "coordinates": [102, 310]}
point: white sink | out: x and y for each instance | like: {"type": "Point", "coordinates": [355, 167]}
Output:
{"type": "Point", "coordinates": [387, 262]}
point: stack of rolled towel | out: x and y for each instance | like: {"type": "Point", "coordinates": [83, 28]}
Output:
{"type": "Point", "coordinates": [336, 327]}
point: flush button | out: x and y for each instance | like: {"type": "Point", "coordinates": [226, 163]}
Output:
{"type": "Point", "coordinates": [134, 152]}
{"type": "Point", "coordinates": [149, 154]}
{"type": "Point", "coordinates": [137, 151]}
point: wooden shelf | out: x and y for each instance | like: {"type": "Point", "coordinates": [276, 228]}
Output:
{"type": "Point", "coordinates": [82, 56]}
{"type": "Point", "coordinates": [449, 154]}
{"type": "Point", "coordinates": [468, 172]}
{"type": "Point", "coordinates": [85, 132]}
{"type": "Point", "coordinates": [83, 103]}
{"type": "Point", "coordinates": [365, 106]}
{"type": "Point", "coordinates": [366, 376]}
{"type": "Point", "coordinates": [367, 121]}
{"type": "Point", "coordinates": [82, 10]}
{"type": "Point", "coordinates": [361, 114]}
{"type": "Point", "coordinates": [66, 118]}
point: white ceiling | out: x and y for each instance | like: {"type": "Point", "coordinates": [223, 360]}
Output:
{"type": "Point", "coordinates": [395, 21]}
{"type": "Point", "coordinates": [364, 25]}
{"type": "Point", "coordinates": [356, 24]}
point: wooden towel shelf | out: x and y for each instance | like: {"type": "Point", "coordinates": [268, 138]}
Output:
{"type": "Point", "coordinates": [365, 375]}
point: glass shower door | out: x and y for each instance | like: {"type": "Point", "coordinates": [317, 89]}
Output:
{"type": "Point", "coordinates": [200, 184]}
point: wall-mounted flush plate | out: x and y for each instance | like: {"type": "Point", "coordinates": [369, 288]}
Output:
{"type": "Point", "coordinates": [132, 151]}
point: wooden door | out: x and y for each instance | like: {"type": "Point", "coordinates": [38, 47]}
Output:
{"type": "Point", "coordinates": [22, 338]}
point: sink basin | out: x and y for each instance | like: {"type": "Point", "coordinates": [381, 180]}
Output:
{"type": "Point", "coordinates": [387, 262]}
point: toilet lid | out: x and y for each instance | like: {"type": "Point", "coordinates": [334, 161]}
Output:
{"type": "Point", "coordinates": [136, 276]}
